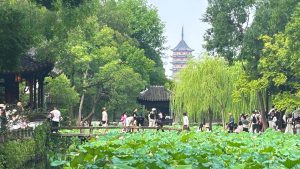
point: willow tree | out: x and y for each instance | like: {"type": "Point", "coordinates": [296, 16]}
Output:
{"type": "Point", "coordinates": [205, 87]}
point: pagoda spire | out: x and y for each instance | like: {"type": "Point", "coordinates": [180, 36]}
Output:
{"type": "Point", "coordinates": [182, 35]}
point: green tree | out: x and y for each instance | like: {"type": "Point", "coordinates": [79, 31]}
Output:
{"type": "Point", "coordinates": [122, 85]}
{"type": "Point", "coordinates": [280, 66]}
{"type": "Point", "coordinates": [229, 20]}
{"type": "Point", "coordinates": [204, 88]}
{"type": "Point", "coordinates": [142, 23]}
{"type": "Point", "coordinates": [19, 30]}
{"type": "Point", "coordinates": [270, 17]}
{"type": "Point", "coordinates": [62, 94]}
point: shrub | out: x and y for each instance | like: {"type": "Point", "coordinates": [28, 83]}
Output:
{"type": "Point", "coordinates": [15, 153]}
{"type": "Point", "coordinates": [40, 136]}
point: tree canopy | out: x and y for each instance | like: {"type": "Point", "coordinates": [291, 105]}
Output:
{"type": "Point", "coordinates": [251, 32]}
{"type": "Point", "coordinates": [86, 40]}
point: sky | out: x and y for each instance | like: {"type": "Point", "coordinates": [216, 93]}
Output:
{"type": "Point", "coordinates": [177, 13]}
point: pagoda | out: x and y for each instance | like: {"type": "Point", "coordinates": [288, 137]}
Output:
{"type": "Point", "coordinates": [181, 54]}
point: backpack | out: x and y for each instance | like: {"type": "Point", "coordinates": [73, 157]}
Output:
{"type": "Point", "coordinates": [254, 120]}
{"type": "Point", "coordinates": [151, 116]}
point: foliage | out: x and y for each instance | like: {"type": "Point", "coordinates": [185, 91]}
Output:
{"type": "Point", "coordinates": [2, 161]}
{"type": "Point", "coordinates": [61, 92]}
{"type": "Point", "coordinates": [207, 84]}
{"type": "Point", "coordinates": [233, 35]}
{"type": "Point", "coordinates": [40, 137]}
{"type": "Point", "coordinates": [17, 152]}
{"type": "Point", "coordinates": [80, 37]}
{"type": "Point", "coordinates": [22, 27]}
{"type": "Point", "coordinates": [123, 85]}
{"type": "Point", "coordinates": [58, 146]}
{"type": "Point", "coordinates": [280, 64]}
{"type": "Point", "coordinates": [141, 22]}
{"type": "Point", "coordinates": [229, 20]}
{"type": "Point", "coordinates": [192, 150]}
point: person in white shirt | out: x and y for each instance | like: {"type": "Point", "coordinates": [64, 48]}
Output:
{"type": "Point", "coordinates": [104, 117]}
{"type": "Point", "coordinates": [56, 116]}
{"type": "Point", "coordinates": [185, 122]}
{"type": "Point", "coordinates": [129, 123]}
{"type": "Point", "coordinates": [151, 117]}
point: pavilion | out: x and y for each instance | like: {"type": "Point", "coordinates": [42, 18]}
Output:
{"type": "Point", "coordinates": [156, 97]}
{"type": "Point", "coordinates": [32, 72]}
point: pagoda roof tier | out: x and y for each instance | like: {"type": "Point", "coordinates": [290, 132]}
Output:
{"type": "Point", "coordinates": [176, 69]}
{"type": "Point", "coordinates": [180, 56]}
{"type": "Point", "coordinates": [182, 46]}
{"type": "Point", "coordinates": [178, 62]}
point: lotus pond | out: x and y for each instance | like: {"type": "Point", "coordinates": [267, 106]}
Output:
{"type": "Point", "coordinates": [186, 150]}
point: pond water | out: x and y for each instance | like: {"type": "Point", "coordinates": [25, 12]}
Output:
{"type": "Point", "coordinates": [39, 164]}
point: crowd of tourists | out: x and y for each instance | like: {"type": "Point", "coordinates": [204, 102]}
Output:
{"type": "Point", "coordinates": [287, 123]}
{"type": "Point", "coordinates": [130, 120]}
{"type": "Point", "coordinates": [12, 117]}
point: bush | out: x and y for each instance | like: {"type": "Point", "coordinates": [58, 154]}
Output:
{"type": "Point", "coordinates": [14, 154]}
{"type": "Point", "coordinates": [17, 152]}
{"type": "Point", "coordinates": [40, 137]}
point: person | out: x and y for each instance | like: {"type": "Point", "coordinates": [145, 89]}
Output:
{"type": "Point", "coordinates": [271, 115]}
{"type": "Point", "coordinates": [151, 117]}
{"type": "Point", "coordinates": [140, 120]}
{"type": "Point", "coordinates": [200, 128]}
{"type": "Point", "coordinates": [129, 123]}
{"type": "Point", "coordinates": [289, 124]}
{"type": "Point", "coordinates": [135, 115]}
{"type": "Point", "coordinates": [56, 116]}
{"type": "Point", "coordinates": [159, 121]}
{"type": "Point", "coordinates": [123, 118]}
{"type": "Point", "coordinates": [254, 122]}
{"type": "Point", "coordinates": [19, 107]}
{"type": "Point", "coordinates": [185, 122]}
{"type": "Point", "coordinates": [230, 123]}
{"type": "Point", "coordinates": [239, 127]}
{"type": "Point", "coordinates": [296, 121]}
{"type": "Point", "coordinates": [274, 123]}
{"type": "Point", "coordinates": [3, 120]}
{"type": "Point", "coordinates": [104, 119]}
{"type": "Point", "coordinates": [245, 123]}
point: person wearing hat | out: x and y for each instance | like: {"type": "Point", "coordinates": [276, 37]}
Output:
{"type": "Point", "coordinates": [151, 117]}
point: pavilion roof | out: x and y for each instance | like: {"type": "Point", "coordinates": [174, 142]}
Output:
{"type": "Point", "coordinates": [29, 64]}
{"type": "Point", "coordinates": [155, 93]}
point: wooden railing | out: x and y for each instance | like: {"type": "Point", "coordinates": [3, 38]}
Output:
{"type": "Point", "coordinates": [89, 131]}
{"type": "Point", "coordinates": [16, 134]}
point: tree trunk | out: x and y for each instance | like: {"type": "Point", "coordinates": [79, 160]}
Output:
{"type": "Point", "coordinates": [210, 116]}
{"type": "Point", "coordinates": [262, 110]}
{"type": "Point", "coordinates": [81, 99]}
{"type": "Point", "coordinates": [80, 108]}
{"type": "Point", "coordinates": [90, 116]}
{"type": "Point", "coordinates": [223, 118]}
{"type": "Point", "coordinates": [267, 101]}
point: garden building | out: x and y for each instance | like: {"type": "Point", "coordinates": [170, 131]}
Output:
{"type": "Point", "coordinates": [31, 73]}
{"type": "Point", "coordinates": [156, 97]}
